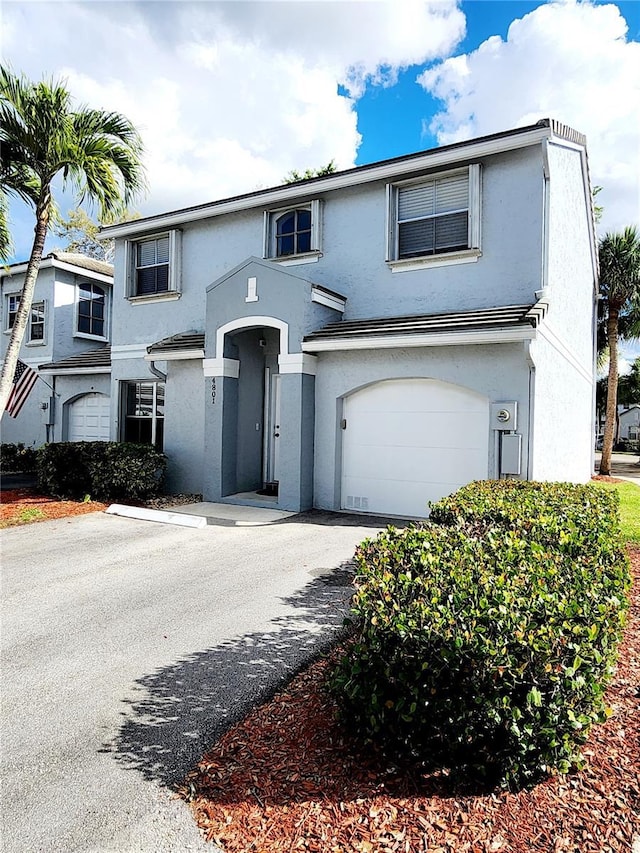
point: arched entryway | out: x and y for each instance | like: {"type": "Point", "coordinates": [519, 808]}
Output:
{"type": "Point", "coordinates": [252, 419]}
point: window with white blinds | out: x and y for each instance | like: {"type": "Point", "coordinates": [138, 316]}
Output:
{"type": "Point", "coordinates": [436, 216]}
{"type": "Point", "coordinates": [154, 266]}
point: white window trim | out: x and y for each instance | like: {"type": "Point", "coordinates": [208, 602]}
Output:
{"type": "Point", "coordinates": [466, 256]}
{"type": "Point", "coordinates": [269, 243]}
{"type": "Point", "coordinates": [38, 342]}
{"type": "Point", "coordinates": [175, 268]}
{"type": "Point", "coordinates": [6, 327]}
{"type": "Point", "coordinates": [107, 313]}
{"type": "Point", "coordinates": [27, 340]}
{"type": "Point", "coordinates": [124, 383]}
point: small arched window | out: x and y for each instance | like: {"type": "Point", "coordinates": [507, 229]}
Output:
{"type": "Point", "coordinates": [293, 233]}
{"type": "Point", "coordinates": [92, 305]}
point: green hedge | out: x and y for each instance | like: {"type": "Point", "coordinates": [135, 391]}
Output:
{"type": "Point", "coordinates": [576, 518]}
{"type": "Point", "coordinates": [107, 471]}
{"type": "Point", "coordinates": [485, 646]}
{"type": "Point", "coordinates": [17, 457]}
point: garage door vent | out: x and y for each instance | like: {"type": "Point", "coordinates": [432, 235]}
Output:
{"type": "Point", "coordinates": [356, 502]}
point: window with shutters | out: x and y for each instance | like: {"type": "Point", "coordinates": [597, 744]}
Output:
{"type": "Point", "coordinates": [292, 235]}
{"type": "Point", "coordinates": [154, 267]}
{"type": "Point", "coordinates": [435, 219]}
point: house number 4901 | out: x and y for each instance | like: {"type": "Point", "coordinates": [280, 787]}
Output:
{"type": "Point", "coordinates": [213, 392]}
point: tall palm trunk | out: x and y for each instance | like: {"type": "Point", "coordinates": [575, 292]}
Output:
{"type": "Point", "coordinates": [612, 391]}
{"type": "Point", "coordinates": [43, 211]}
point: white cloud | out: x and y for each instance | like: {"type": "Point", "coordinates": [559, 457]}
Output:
{"type": "Point", "coordinates": [228, 96]}
{"type": "Point", "coordinates": [568, 60]}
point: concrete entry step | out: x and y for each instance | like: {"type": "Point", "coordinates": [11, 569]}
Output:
{"type": "Point", "coordinates": [204, 513]}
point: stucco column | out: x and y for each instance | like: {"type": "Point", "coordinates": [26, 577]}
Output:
{"type": "Point", "coordinates": [295, 461]}
{"type": "Point", "coordinates": [220, 436]}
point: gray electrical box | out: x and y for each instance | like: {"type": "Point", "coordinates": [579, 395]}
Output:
{"type": "Point", "coordinates": [504, 416]}
{"type": "Point", "coordinates": [511, 454]}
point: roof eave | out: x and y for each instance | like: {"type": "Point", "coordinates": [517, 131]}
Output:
{"type": "Point", "coordinates": [385, 170]}
{"type": "Point", "coordinates": [462, 337]}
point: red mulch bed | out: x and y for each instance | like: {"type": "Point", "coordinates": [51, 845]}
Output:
{"type": "Point", "coordinates": [23, 506]}
{"type": "Point", "coordinates": [284, 779]}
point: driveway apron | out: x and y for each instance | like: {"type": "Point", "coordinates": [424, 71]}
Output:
{"type": "Point", "coordinates": [129, 646]}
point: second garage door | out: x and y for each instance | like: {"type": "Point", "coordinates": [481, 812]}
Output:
{"type": "Point", "coordinates": [89, 418]}
{"type": "Point", "coordinates": [410, 441]}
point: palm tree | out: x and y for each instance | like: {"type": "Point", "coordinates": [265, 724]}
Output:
{"type": "Point", "coordinates": [41, 137]}
{"type": "Point", "coordinates": [620, 288]}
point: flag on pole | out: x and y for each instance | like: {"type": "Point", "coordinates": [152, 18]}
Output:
{"type": "Point", "coordinates": [23, 381]}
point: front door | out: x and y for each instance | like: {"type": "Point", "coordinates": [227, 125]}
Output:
{"type": "Point", "coordinates": [272, 419]}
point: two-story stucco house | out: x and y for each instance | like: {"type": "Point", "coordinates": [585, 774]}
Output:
{"type": "Point", "coordinates": [67, 343]}
{"type": "Point", "coordinates": [372, 339]}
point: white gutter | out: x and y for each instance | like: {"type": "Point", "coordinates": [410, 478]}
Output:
{"type": "Point", "coordinates": [366, 174]}
{"type": "Point", "coordinates": [60, 371]}
{"type": "Point", "coordinates": [506, 335]}
{"type": "Point", "coordinates": [174, 355]}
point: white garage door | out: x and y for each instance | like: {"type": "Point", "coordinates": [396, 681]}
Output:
{"type": "Point", "coordinates": [411, 441]}
{"type": "Point", "coordinates": [89, 418]}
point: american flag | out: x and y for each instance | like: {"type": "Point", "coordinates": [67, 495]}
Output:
{"type": "Point", "coordinates": [23, 381]}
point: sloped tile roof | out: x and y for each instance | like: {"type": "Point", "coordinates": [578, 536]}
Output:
{"type": "Point", "coordinates": [177, 343]}
{"type": "Point", "coordinates": [98, 358]}
{"type": "Point", "coordinates": [83, 261]}
{"type": "Point", "coordinates": [486, 318]}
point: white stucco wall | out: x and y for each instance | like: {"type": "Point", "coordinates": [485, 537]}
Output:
{"type": "Point", "coordinates": [499, 372]}
{"type": "Point", "coordinates": [571, 271]}
{"type": "Point", "coordinates": [563, 354]}
{"type": "Point", "coordinates": [562, 415]}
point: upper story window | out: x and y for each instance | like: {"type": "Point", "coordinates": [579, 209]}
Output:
{"type": "Point", "coordinates": [13, 303]}
{"type": "Point", "coordinates": [435, 220]}
{"type": "Point", "coordinates": [92, 310]}
{"type": "Point", "coordinates": [154, 267]}
{"type": "Point", "coordinates": [292, 235]}
{"type": "Point", "coordinates": [36, 322]}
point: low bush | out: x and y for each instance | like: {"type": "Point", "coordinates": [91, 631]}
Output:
{"type": "Point", "coordinates": [17, 457]}
{"type": "Point", "coordinates": [484, 644]}
{"type": "Point", "coordinates": [108, 471]}
{"type": "Point", "coordinates": [576, 518]}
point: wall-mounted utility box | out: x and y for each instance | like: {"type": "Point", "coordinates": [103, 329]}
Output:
{"type": "Point", "coordinates": [511, 454]}
{"type": "Point", "coordinates": [504, 416]}
{"type": "Point", "coordinates": [47, 410]}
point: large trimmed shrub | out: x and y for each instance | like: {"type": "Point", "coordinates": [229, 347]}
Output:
{"type": "Point", "coordinates": [107, 471]}
{"type": "Point", "coordinates": [485, 647]}
{"type": "Point", "coordinates": [17, 457]}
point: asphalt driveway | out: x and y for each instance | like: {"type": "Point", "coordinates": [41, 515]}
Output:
{"type": "Point", "coordinates": [127, 646]}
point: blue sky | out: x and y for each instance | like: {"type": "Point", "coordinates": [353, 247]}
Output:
{"type": "Point", "coordinates": [230, 96]}
{"type": "Point", "coordinates": [391, 119]}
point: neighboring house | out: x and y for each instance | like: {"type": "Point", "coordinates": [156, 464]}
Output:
{"type": "Point", "coordinates": [629, 423]}
{"type": "Point", "coordinates": [69, 325]}
{"type": "Point", "coordinates": [372, 339]}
